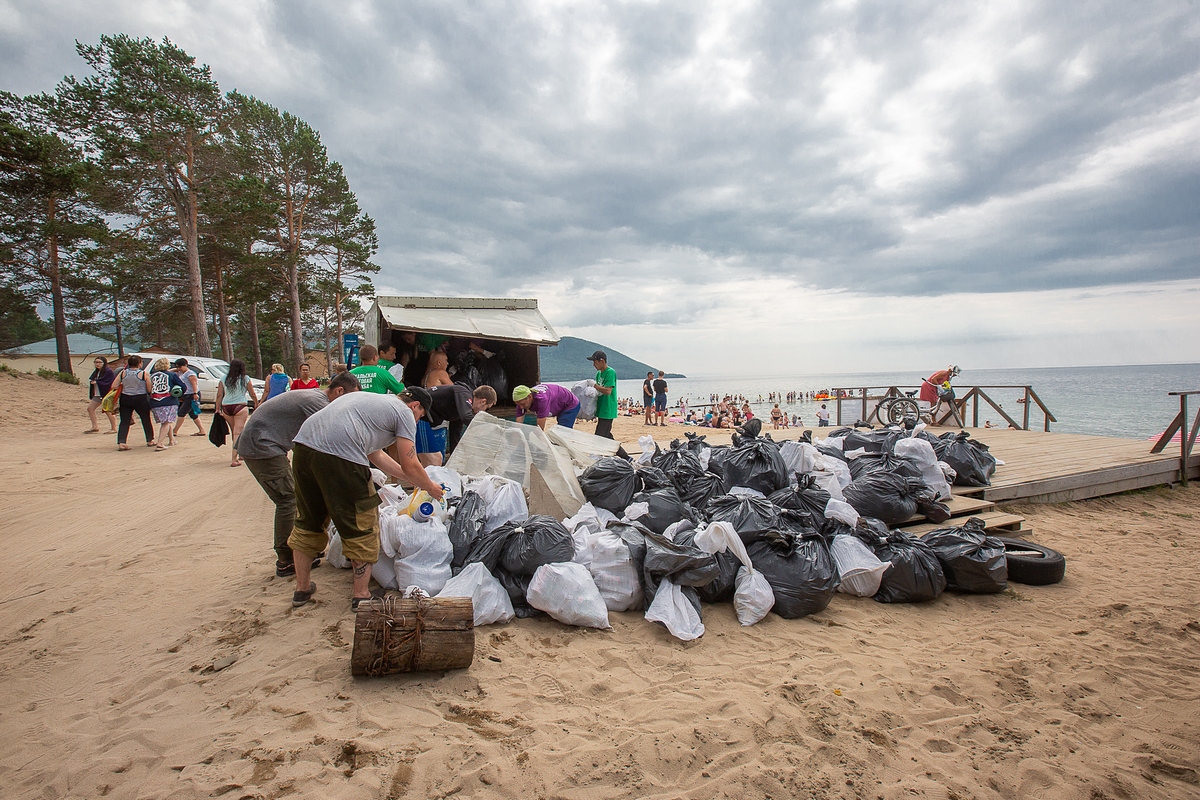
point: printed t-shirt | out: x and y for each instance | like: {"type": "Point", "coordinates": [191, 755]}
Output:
{"type": "Point", "coordinates": [386, 364]}
{"type": "Point", "coordinates": [359, 423]}
{"type": "Point", "coordinates": [159, 387]}
{"type": "Point", "coordinates": [377, 380]}
{"type": "Point", "coordinates": [550, 400]}
{"type": "Point", "coordinates": [606, 404]}
{"type": "Point", "coordinates": [270, 430]}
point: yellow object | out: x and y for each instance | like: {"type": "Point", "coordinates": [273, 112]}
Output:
{"type": "Point", "coordinates": [109, 403]}
{"type": "Point", "coordinates": [440, 509]}
{"type": "Point", "coordinates": [838, 692]}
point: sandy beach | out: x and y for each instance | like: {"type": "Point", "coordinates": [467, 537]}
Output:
{"type": "Point", "coordinates": [130, 577]}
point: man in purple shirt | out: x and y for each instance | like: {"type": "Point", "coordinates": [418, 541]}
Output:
{"type": "Point", "coordinates": [548, 400]}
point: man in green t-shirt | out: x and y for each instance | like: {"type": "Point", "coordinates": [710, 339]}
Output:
{"type": "Point", "coordinates": [606, 401]}
{"type": "Point", "coordinates": [372, 377]}
{"type": "Point", "coordinates": [387, 355]}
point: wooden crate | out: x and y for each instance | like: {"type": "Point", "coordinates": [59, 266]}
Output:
{"type": "Point", "coordinates": [393, 634]}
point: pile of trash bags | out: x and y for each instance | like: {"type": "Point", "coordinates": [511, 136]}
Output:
{"type": "Point", "coordinates": [769, 527]}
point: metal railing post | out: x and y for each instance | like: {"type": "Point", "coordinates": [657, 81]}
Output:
{"type": "Point", "coordinates": [1025, 423]}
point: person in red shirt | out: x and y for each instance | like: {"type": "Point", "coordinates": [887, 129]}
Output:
{"type": "Point", "coordinates": [305, 381]}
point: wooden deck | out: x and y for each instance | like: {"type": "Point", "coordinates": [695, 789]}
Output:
{"type": "Point", "coordinates": [1060, 467]}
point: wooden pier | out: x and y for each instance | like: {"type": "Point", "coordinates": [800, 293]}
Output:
{"type": "Point", "coordinates": [1054, 468]}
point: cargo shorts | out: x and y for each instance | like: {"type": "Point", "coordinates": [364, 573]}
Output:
{"type": "Point", "coordinates": [332, 488]}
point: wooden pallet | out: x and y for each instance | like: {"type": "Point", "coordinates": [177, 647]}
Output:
{"type": "Point", "coordinates": [1000, 522]}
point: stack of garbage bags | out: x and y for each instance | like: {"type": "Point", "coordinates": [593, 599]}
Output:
{"type": "Point", "coordinates": [767, 526]}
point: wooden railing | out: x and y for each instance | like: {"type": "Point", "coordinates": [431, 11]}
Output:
{"type": "Point", "coordinates": [1186, 441]}
{"type": "Point", "coordinates": [872, 398]}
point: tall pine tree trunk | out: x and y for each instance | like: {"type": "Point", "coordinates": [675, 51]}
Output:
{"type": "Point", "coordinates": [258, 370]}
{"type": "Point", "coordinates": [61, 345]}
{"type": "Point", "coordinates": [190, 230]}
{"type": "Point", "coordinates": [340, 340]}
{"type": "Point", "coordinates": [223, 315]}
{"type": "Point", "coordinates": [297, 324]}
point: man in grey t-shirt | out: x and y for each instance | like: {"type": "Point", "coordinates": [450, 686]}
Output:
{"type": "Point", "coordinates": [264, 446]}
{"type": "Point", "coordinates": [331, 466]}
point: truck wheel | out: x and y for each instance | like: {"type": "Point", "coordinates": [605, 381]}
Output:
{"type": "Point", "coordinates": [1032, 564]}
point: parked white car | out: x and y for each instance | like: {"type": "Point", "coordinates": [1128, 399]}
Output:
{"type": "Point", "coordinates": [209, 372]}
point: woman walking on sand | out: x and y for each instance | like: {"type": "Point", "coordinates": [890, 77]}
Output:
{"type": "Point", "coordinates": [165, 388]}
{"type": "Point", "coordinates": [99, 384]}
{"type": "Point", "coordinates": [233, 395]}
{"type": "Point", "coordinates": [132, 396]}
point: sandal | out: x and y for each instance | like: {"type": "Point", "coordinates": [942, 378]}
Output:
{"type": "Point", "coordinates": [201, 433]}
{"type": "Point", "coordinates": [93, 430]}
{"type": "Point", "coordinates": [303, 598]}
{"type": "Point", "coordinates": [124, 447]}
{"type": "Point", "coordinates": [159, 449]}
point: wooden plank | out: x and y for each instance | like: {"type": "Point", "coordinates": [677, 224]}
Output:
{"type": "Point", "coordinates": [1102, 489]}
{"type": "Point", "coordinates": [998, 521]}
{"type": "Point", "coordinates": [1157, 471]}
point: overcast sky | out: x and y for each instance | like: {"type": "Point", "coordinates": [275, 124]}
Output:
{"type": "Point", "coordinates": [744, 187]}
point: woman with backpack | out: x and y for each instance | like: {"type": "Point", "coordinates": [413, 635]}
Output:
{"type": "Point", "coordinates": [132, 396]}
{"type": "Point", "coordinates": [233, 396]}
{"type": "Point", "coordinates": [164, 388]}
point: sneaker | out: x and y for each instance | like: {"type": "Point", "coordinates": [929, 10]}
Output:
{"type": "Point", "coordinates": [302, 598]}
{"type": "Point", "coordinates": [284, 569]}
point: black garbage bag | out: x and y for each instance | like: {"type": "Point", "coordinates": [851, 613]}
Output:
{"type": "Point", "coordinates": [879, 441]}
{"type": "Point", "coordinates": [699, 491]}
{"type": "Point", "coordinates": [721, 588]}
{"type": "Point", "coordinates": [933, 509]}
{"type": "Point", "coordinates": [805, 496]}
{"type": "Point", "coordinates": [971, 560]}
{"type": "Point", "coordinates": [885, 496]}
{"type": "Point", "coordinates": [666, 508]}
{"type": "Point", "coordinates": [609, 483]}
{"type": "Point", "coordinates": [488, 548]}
{"type": "Point", "coordinates": [755, 464]}
{"type": "Point", "coordinates": [800, 570]}
{"type": "Point", "coordinates": [695, 442]}
{"type": "Point", "coordinates": [677, 461]}
{"type": "Point", "coordinates": [969, 458]}
{"type": "Point", "coordinates": [465, 528]}
{"type": "Point", "coordinates": [634, 536]}
{"type": "Point", "coordinates": [680, 560]}
{"type": "Point", "coordinates": [830, 450]}
{"type": "Point", "coordinates": [491, 373]}
{"type": "Point", "coordinates": [717, 456]}
{"type": "Point", "coordinates": [517, 586]}
{"type": "Point", "coordinates": [751, 428]}
{"type": "Point", "coordinates": [539, 540]}
{"type": "Point", "coordinates": [915, 575]}
{"type": "Point", "coordinates": [883, 461]}
{"type": "Point", "coordinates": [752, 517]}
{"type": "Point", "coordinates": [651, 478]}
{"type": "Point", "coordinates": [800, 523]}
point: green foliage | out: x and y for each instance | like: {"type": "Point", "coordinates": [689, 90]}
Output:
{"type": "Point", "coordinates": [5, 368]}
{"type": "Point", "coordinates": [229, 221]}
{"type": "Point", "coordinates": [19, 322]}
{"type": "Point", "coordinates": [52, 375]}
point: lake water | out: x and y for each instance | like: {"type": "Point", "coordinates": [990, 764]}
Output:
{"type": "Point", "coordinates": [1128, 401]}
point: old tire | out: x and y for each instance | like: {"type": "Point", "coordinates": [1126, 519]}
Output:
{"type": "Point", "coordinates": [1043, 569]}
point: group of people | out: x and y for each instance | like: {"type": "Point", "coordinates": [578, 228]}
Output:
{"type": "Point", "coordinates": [162, 392]}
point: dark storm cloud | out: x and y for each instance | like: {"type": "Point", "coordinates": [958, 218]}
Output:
{"type": "Point", "coordinates": [907, 148]}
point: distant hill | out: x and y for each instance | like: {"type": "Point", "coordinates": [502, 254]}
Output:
{"type": "Point", "coordinates": [568, 362]}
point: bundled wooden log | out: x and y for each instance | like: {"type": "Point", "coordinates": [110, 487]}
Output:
{"type": "Point", "coordinates": [394, 634]}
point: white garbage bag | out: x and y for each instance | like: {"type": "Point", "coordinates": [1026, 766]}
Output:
{"type": "Point", "coordinates": [587, 393]}
{"type": "Point", "coordinates": [634, 511]}
{"type": "Point", "coordinates": [842, 512]}
{"type": "Point", "coordinates": [614, 572]}
{"type": "Point", "coordinates": [746, 490]}
{"type": "Point", "coordinates": [504, 501]}
{"type": "Point", "coordinates": [800, 457]}
{"type": "Point", "coordinates": [423, 553]}
{"type": "Point", "coordinates": [384, 571]}
{"type": "Point", "coordinates": [568, 594]}
{"type": "Point", "coordinates": [674, 611]}
{"type": "Point", "coordinates": [333, 550]}
{"type": "Point", "coordinates": [829, 482]}
{"type": "Point", "coordinates": [919, 453]}
{"type": "Point", "coordinates": [861, 570]}
{"type": "Point", "coordinates": [648, 448]}
{"type": "Point", "coordinates": [448, 478]}
{"type": "Point", "coordinates": [753, 596]}
{"type": "Point", "coordinates": [838, 467]}
{"type": "Point", "coordinates": [488, 596]}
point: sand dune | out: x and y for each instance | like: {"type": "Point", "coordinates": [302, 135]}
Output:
{"type": "Point", "coordinates": [128, 576]}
